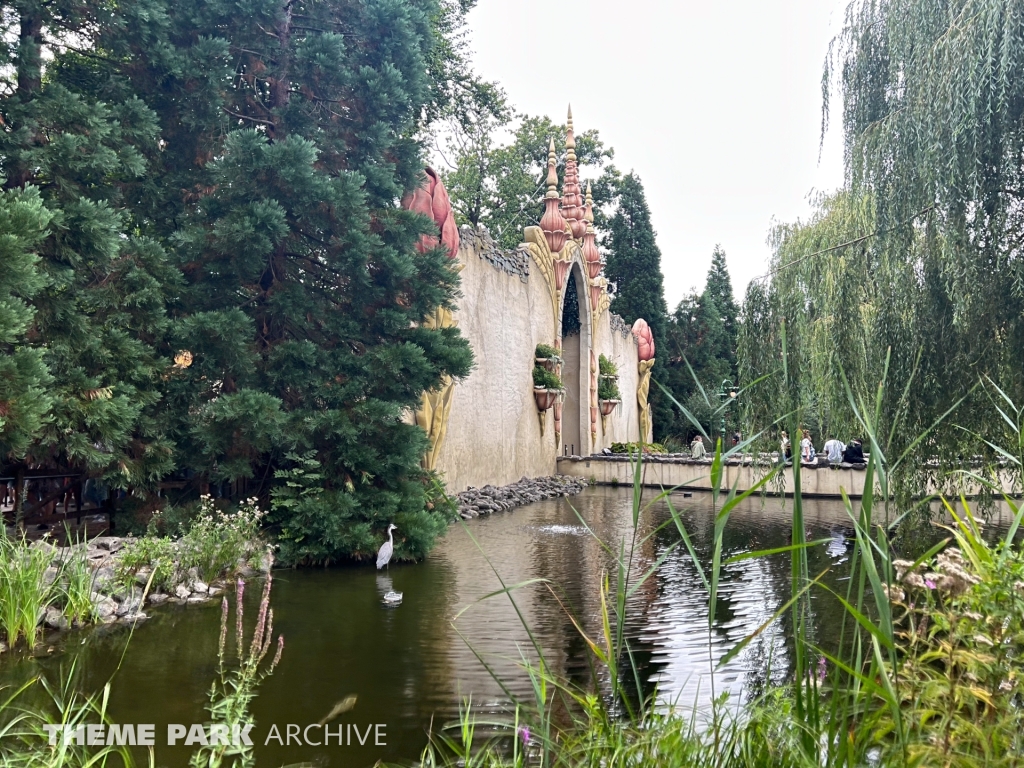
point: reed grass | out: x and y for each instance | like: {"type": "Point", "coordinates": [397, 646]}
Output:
{"type": "Point", "coordinates": [928, 670]}
{"type": "Point", "coordinates": [25, 591]}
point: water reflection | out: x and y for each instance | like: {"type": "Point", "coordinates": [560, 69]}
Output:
{"type": "Point", "coordinates": [415, 664]}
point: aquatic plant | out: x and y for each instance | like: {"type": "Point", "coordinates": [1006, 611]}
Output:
{"type": "Point", "coordinates": [27, 723]}
{"type": "Point", "coordinates": [77, 581]}
{"type": "Point", "coordinates": [928, 668]}
{"type": "Point", "coordinates": [25, 590]}
{"type": "Point", "coordinates": [236, 684]}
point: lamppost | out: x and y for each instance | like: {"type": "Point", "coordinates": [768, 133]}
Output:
{"type": "Point", "coordinates": [728, 393]}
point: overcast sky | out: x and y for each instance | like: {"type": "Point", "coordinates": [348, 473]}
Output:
{"type": "Point", "coordinates": [715, 104]}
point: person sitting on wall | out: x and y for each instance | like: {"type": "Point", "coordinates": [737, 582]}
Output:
{"type": "Point", "coordinates": [854, 453]}
{"type": "Point", "coordinates": [834, 449]}
{"type": "Point", "coordinates": [697, 449]}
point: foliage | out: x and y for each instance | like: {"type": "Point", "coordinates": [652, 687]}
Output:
{"type": "Point", "coordinates": [608, 388]}
{"type": "Point", "coordinates": [546, 352]}
{"type": "Point", "coordinates": [204, 263]}
{"type": "Point", "coordinates": [235, 687]}
{"type": "Point", "coordinates": [502, 186]}
{"type": "Point", "coordinates": [701, 353]}
{"type": "Point", "coordinates": [159, 554]}
{"type": "Point", "coordinates": [27, 711]}
{"type": "Point", "coordinates": [919, 256]}
{"type": "Point", "coordinates": [77, 582]}
{"type": "Point", "coordinates": [25, 592]}
{"type": "Point", "coordinates": [634, 265]}
{"type": "Point", "coordinates": [606, 367]}
{"type": "Point", "coordinates": [546, 379]}
{"type": "Point", "coordinates": [633, 448]}
{"type": "Point", "coordinates": [218, 540]}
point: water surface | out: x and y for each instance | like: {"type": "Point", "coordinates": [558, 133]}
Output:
{"type": "Point", "coordinates": [409, 666]}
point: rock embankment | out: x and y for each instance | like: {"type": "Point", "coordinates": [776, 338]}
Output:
{"type": "Point", "coordinates": [474, 502]}
{"type": "Point", "coordinates": [117, 596]}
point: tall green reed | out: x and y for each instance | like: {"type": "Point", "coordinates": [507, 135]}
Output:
{"type": "Point", "coordinates": [25, 590]}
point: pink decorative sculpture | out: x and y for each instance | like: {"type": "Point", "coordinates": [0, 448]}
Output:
{"type": "Point", "coordinates": [590, 253]}
{"type": "Point", "coordinates": [431, 199]}
{"type": "Point", "coordinates": [644, 339]}
{"type": "Point", "coordinates": [552, 223]}
{"type": "Point", "coordinates": [572, 200]}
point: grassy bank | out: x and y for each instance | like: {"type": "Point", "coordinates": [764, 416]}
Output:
{"type": "Point", "coordinates": [45, 585]}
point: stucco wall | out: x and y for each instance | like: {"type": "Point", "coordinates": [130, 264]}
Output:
{"type": "Point", "coordinates": [494, 434]}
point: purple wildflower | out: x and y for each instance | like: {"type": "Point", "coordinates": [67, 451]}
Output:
{"type": "Point", "coordinates": [822, 669]}
{"type": "Point", "coordinates": [524, 734]}
{"type": "Point", "coordinates": [929, 583]}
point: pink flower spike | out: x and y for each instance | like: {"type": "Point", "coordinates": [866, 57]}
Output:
{"type": "Point", "coordinates": [524, 734]}
{"type": "Point", "coordinates": [929, 583]}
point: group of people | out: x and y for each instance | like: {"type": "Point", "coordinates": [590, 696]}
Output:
{"type": "Point", "coordinates": [836, 451]}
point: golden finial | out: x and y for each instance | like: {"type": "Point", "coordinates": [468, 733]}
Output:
{"type": "Point", "coordinates": [570, 137]}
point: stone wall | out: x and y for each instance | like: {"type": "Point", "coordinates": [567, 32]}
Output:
{"type": "Point", "coordinates": [508, 305]}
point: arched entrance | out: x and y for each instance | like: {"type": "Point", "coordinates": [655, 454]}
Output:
{"type": "Point", "coordinates": [576, 365]}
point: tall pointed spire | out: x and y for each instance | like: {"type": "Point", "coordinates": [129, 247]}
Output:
{"type": "Point", "coordinates": [590, 253]}
{"type": "Point", "coordinates": [572, 200]}
{"type": "Point", "coordinates": [552, 223]}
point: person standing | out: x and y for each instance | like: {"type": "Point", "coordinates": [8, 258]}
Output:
{"type": "Point", "coordinates": [834, 450]}
{"type": "Point", "coordinates": [807, 454]}
{"type": "Point", "coordinates": [785, 449]}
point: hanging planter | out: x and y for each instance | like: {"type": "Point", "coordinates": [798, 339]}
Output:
{"type": "Point", "coordinates": [546, 398]}
{"type": "Point", "coordinates": [547, 357]}
{"type": "Point", "coordinates": [607, 406]}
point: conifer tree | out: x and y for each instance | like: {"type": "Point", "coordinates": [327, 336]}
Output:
{"type": "Point", "coordinates": [718, 289]}
{"type": "Point", "coordinates": [634, 265]}
{"type": "Point", "coordinates": [99, 311]}
{"type": "Point", "coordinates": [304, 288]}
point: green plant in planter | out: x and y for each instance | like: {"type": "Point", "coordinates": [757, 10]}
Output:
{"type": "Point", "coordinates": [542, 377]}
{"type": "Point", "coordinates": [608, 389]}
{"type": "Point", "coordinates": [606, 366]}
{"type": "Point", "coordinates": [546, 352]}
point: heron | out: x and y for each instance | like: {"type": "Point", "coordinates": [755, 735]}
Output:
{"type": "Point", "coordinates": [384, 553]}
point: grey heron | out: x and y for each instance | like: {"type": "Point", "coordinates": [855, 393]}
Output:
{"type": "Point", "coordinates": [384, 553]}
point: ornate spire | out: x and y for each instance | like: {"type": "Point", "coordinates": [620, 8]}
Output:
{"type": "Point", "coordinates": [590, 252]}
{"type": "Point", "coordinates": [572, 200]}
{"type": "Point", "coordinates": [552, 223]}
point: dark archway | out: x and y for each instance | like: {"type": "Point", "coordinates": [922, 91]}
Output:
{"type": "Point", "coordinates": [576, 365]}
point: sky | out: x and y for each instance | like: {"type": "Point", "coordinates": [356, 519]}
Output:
{"type": "Point", "coordinates": [716, 105]}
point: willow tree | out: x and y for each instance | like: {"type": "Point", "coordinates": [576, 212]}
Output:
{"type": "Point", "coordinates": [920, 256]}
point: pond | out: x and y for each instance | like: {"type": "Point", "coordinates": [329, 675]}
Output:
{"type": "Point", "coordinates": [411, 666]}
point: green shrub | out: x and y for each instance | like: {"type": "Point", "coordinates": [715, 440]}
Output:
{"type": "Point", "coordinates": [606, 366]}
{"type": "Point", "coordinates": [542, 377]}
{"type": "Point", "coordinates": [547, 352]}
{"type": "Point", "coordinates": [157, 553]}
{"type": "Point", "coordinates": [634, 447]}
{"type": "Point", "coordinates": [608, 389]}
{"type": "Point", "coordinates": [217, 540]}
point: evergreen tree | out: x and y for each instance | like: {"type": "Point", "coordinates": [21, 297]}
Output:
{"type": "Point", "coordinates": [304, 287]}
{"type": "Point", "coordinates": [24, 380]}
{"type": "Point", "coordinates": [99, 311]}
{"type": "Point", "coordinates": [718, 289]}
{"type": "Point", "coordinates": [634, 265]}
